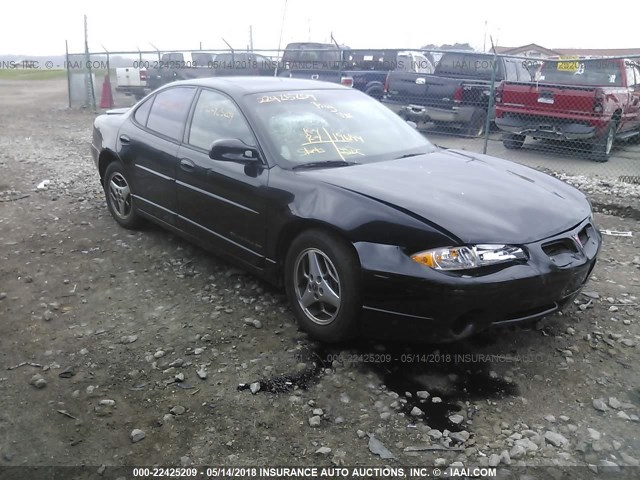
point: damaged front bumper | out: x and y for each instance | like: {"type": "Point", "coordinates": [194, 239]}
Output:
{"type": "Point", "coordinates": [411, 301]}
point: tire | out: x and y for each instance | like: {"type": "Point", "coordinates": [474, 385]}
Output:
{"type": "Point", "coordinates": [476, 126]}
{"type": "Point", "coordinates": [117, 192]}
{"type": "Point", "coordinates": [603, 145]}
{"type": "Point", "coordinates": [512, 141]}
{"type": "Point", "coordinates": [328, 308]}
{"type": "Point", "coordinates": [375, 92]}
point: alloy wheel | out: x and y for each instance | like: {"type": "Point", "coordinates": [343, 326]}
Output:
{"type": "Point", "coordinates": [317, 286]}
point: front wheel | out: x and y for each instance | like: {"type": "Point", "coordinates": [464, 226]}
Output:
{"type": "Point", "coordinates": [322, 280]}
{"type": "Point", "coordinates": [119, 197]}
{"type": "Point", "coordinates": [601, 148]}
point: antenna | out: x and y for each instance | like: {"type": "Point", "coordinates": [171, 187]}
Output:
{"type": "Point", "coordinates": [284, 13]}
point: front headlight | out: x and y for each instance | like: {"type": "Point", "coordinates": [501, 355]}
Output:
{"type": "Point", "coordinates": [463, 258]}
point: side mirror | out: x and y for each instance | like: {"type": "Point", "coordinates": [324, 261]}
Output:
{"type": "Point", "coordinates": [412, 124]}
{"type": "Point", "coordinates": [233, 150]}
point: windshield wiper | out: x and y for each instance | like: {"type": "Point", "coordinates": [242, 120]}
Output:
{"type": "Point", "coordinates": [407, 155]}
{"type": "Point", "coordinates": [325, 163]}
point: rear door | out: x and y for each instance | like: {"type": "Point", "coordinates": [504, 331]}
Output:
{"type": "Point", "coordinates": [148, 145]}
{"type": "Point", "coordinates": [222, 202]}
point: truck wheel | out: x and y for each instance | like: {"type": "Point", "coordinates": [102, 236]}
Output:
{"type": "Point", "coordinates": [601, 148]}
{"type": "Point", "coordinates": [475, 127]}
{"type": "Point", "coordinates": [513, 141]}
{"type": "Point", "coordinates": [375, 92]}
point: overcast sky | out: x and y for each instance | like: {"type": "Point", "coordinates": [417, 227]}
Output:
{"type": "Point", "coordinates": [40, 27]}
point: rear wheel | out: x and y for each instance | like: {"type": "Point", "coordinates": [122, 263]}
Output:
{"type": "Point", "coordinates": [477, 124]}
{"type": "Point", "coordinates": [119, 197]}
{"type": "Point", "coordinates": [602, 147]}
{"type": "Point", "coordinates": [322, 281]}
{"type": "Point", "coordinates": [513, 141]}
{"type": "Point", "coordinates": [375, 92]}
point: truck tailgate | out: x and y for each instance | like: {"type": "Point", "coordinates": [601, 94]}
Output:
{"type": "Point", "coordinates": [315, 74]}
{"type": "Point", "coordinates": [544, 98]}
{"type": "Point", "coordinates": [422, 89]}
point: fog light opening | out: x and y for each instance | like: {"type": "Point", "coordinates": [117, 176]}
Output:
{"type": "Point", "coordinates": [466, 322]}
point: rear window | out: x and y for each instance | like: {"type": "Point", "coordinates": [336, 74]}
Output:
{"type": "Point", "coordinates": [467, 65]}
{"type": "Point", "coordinates": [303, 56]}
{"type": "Point", "coordinates": [169, 111]}
{"type": "Point", "coordinates": [582, 72]}
{"type": "Point", "coordinates": [201, 59]}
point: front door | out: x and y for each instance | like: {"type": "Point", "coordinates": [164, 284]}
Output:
{"type": "Point", "coordinates": [221, 201]}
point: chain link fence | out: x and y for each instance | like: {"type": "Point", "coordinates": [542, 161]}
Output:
{"type": "Point", "coordinates": [579, 116]}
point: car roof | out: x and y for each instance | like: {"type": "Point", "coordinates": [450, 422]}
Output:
{"type": "Point", "coordinates": [243, 85]}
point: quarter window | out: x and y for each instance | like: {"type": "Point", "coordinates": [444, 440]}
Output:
{"type": "Point", "coordinates": [169, 111]}
{"type": "Point", "coordinates": [215, 117]}
{"type": "Point", "coordinates": [142, 113]}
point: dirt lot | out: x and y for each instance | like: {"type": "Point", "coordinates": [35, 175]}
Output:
{"type": "Point", "coordinates": [140, 330]}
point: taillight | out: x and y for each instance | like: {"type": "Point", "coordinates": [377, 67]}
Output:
{"type": "Point", "coordinates": [457, 95]}
{"type": "Point", "coordinates": [598, 101]}
{"type": "Point", "coordinates": [143, 75]}
{"type": "Point", "coordinates": [347, 81]}
{"type": "Point", "coordinates": [386, 84]}
{"type": "Point", "coordinates": [498, 95]}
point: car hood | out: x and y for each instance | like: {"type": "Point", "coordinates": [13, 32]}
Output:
{"type": "Point", "coordinates": [476, 198]}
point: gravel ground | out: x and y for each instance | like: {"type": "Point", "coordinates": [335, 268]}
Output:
{"type": "Point", "coordinates": [137, 348]}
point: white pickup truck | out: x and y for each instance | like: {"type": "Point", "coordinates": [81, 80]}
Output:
{"type": "Point", "coordinates": [132, 81]}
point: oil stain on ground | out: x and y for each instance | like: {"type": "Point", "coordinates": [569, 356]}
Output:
{"type": "Point", "coordinates": [451, 375]}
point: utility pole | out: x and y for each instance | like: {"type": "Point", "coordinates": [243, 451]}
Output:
{"type": "Point", "coordinates": [91, 94]}
{"type": "Point", "coordinates": [484, 43]}
{"type": "Point", "coordinates": [284, 13]}
{"type": "Point", "coordinates": [251, 38]}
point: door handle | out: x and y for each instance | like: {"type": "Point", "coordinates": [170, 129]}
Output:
{"type": "Point", "coordinates": [125, 139]}
{"type": "Point", "coordinates": [187, 165]}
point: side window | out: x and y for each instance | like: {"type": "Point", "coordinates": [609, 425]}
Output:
{"type": "Point", "coordinates": [512, 70]}
{"type": "Point", "coordinates": [142, 112]}
{"type": "Point", "coordinates": [169, 111]}
{"type": "Point", "coordinates": [637, 69]}
{"type": "Point", "coordinates": [216, 117]}
{"type": "Point", "coordinates": [630, 74]}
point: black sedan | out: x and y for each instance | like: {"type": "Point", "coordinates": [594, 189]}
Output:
{"type": "Point", "coordinates": [323, 190]}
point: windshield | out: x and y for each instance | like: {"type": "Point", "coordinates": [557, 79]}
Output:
{"type": "Point", "coordinates": [582, 72]}
{"type": "Point", "coordinates": [309, 126]}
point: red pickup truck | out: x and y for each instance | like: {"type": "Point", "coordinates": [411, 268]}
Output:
{"type": "Point", "coordinates": [596, 101]}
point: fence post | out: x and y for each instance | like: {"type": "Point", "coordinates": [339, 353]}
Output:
{"type": "Point", "coordinates": [492, 93]}
{"type": "Point", "coordinates": [66, 57]}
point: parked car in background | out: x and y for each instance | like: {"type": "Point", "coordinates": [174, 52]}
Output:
{"type": "Point", "coordinates": [592, 100]}
{"type": "Point", "coordinates": [323, 190]}
{"type": "Point", "coordinates": [242, 63]}
{"type": "Point", "coordinates": [174, 66]}
{"type": "Point", "coordinates": [456, 94]}
{"type": "Point", "coordinates": [132, 81]}
{"type": "Point", "coordinates": [186, 65]}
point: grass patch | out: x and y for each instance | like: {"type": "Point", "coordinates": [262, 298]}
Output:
{"type": "Point", "coordinates": [31, 74]}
